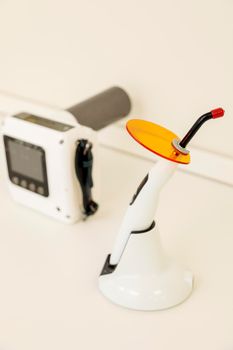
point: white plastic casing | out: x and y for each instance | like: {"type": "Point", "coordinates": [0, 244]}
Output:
{"type": "Point", "coordinates": [141, 212]}
{"type": "Point", "coordinates": [145, 278]}
{"type": "Point", "coordinates": [64, 202]}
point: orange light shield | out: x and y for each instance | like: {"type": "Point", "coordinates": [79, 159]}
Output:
{"type": "Point", "coordinates": [156, 139]}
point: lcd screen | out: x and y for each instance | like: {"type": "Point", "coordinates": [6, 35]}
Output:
{"type": "Point", "coordinates": [26, 160]}
{"type": "Point", "coordinates": [48, 123]}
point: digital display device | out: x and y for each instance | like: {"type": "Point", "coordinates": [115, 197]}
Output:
{"type": "Point", "coordinates": [26, 165]}
{"type": "Point", "coordinates": [25, 160]}
{"type": "Point", "coordinates": [50, 152]}
{"type": "Point", "coordinates": [48, 123]}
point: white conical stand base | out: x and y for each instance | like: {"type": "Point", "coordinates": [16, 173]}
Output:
{"type": "Point", "coordinates": [145, 279]}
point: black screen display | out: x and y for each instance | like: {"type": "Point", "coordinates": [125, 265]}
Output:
{"type": "Point", "coordinates": [48, 123]}
{"type": "Point", "coordinates": [26, 160]}
{"type": "Point", "coordinates": [26, 165]}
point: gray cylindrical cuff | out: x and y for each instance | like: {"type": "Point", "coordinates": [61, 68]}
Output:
{"type": "Point", "coordinates": [102, 109]}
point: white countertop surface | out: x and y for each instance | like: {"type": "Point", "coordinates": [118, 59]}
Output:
{"type": "Point", "coordinates": [49, 297]}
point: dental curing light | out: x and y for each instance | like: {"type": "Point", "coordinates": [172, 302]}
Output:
{"type": "Point", "coordinates": [138, 275]}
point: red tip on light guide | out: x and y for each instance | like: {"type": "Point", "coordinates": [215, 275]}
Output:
{"type": "Point", "coordinates": [217, 113]}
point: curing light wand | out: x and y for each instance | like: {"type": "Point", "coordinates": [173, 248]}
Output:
{"type": "Point", "coordinates": [215, 113]}
{"type": "Point", "coordinates": [140, 213]}
{"type": "Point", "coordinates": [138, 274]}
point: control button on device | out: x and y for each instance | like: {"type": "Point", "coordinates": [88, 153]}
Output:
{"type": "Point", "coordinates": [40, 190]}
{"type": "Point", "coordinates": [32, 187]}
{"type": "Point", "coordinates": [23, 183]}
{"type": "Point", "coordinates": [15, 179]}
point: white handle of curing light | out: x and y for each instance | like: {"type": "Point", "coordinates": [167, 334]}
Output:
{"type": "Point", "coordinates": [140, 214]}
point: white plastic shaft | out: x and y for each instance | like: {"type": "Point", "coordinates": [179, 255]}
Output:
{"type": "Point", "coordinates": [140, 214]}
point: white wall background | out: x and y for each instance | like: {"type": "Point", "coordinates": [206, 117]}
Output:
{"type": "Point", "coordinates": [175, 58]}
